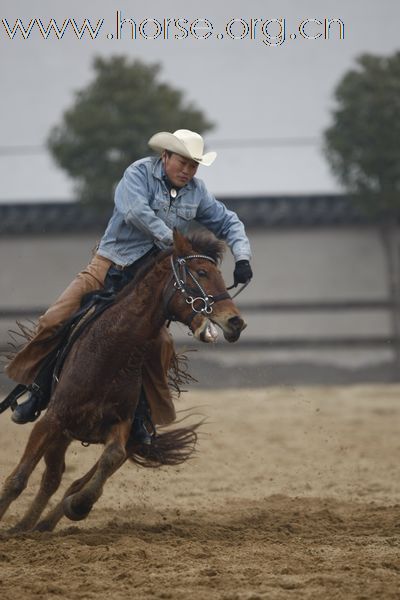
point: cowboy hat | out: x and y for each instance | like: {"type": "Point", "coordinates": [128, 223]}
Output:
{"type": "Point", "coordinates": [184, 142]}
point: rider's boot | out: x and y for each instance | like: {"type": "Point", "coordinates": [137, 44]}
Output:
{"type": "Point", "coordinates": [39, 396]}
{"type": "Point", "coordinates": [30, 409]}
{"type": "Point", "coordinates": [142, 422]}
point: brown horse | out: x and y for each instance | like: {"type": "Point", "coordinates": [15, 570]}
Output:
{"type": "Point", "coordinates": [100, 383]}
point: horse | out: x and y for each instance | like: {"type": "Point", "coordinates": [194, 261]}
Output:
{"type": "Point", "coordinates": [99, 386]}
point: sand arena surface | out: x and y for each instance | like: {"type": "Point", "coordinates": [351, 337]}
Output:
{"type": "Point", "coordinates": [295, 493]}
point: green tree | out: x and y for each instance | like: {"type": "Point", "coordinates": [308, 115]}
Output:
{"type": "Point", "coordinates": [363, 149]}
{"type": "Point", "coordinates": [108, 126]}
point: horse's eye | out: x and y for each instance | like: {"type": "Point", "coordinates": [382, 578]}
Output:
{"type": "Point", "coordinates": [202, 273]}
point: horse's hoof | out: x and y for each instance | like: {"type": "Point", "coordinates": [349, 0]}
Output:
{"type": "Point", "coordinates": [75, 513]}
{"type": "Point", "coordinates": [44, 526]}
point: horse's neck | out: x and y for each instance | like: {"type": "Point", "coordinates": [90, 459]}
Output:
{"type": "Point", "coordinates": [144, 306]}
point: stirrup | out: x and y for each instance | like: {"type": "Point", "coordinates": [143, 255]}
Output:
{"type": "Point", "coordinates": [140, 432]}
{"type": "Point", "coordinates": [143, 429]}
{"type": "Point", "coordinates": [37, 391]}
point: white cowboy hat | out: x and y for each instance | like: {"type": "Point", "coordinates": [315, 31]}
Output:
{"type": "Point", "coordinates": [184, 142]}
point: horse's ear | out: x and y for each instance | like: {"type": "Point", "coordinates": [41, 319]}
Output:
{"type": "Point", "coordinates": [181, 244]}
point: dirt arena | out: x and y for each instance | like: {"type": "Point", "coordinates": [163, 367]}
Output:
{"type": "Point", "coordinates": [295, 493]}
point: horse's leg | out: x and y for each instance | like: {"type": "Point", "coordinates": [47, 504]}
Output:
{"type": "Point", "coordinates": [77, 506]}
{"type": "Point", "coordinates": [41, 437]}
{"type": "Point", "coordinates": [54, 516]}
{"type": "Point", "coordinates": [51, 479]}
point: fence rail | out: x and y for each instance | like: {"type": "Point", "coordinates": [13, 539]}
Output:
{"type": "Point", "coordinates": [249, 307]}
{"type": "Point", "coordinates": [294, 342]}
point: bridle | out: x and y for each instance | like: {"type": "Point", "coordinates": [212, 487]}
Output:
{"type": "Point", "coordinates": [197, 297]}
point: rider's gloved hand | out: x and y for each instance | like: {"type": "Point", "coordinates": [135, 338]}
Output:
{"type": "Point", "coordinates": [242, 272]}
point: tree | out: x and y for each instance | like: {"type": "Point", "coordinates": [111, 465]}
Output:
{"type": "Point", "coordinates": [108, 126]}
{"type": "Point", "coordinates": [363, 149]}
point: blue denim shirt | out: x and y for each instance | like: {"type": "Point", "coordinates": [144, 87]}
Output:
{"type": "Point", "coordinates": [144, 214]}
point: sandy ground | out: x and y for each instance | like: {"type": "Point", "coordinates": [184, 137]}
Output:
{"type": "Point", "coordinates": [294, 493]}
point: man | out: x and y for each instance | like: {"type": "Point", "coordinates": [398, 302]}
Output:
{"type": "Point", "coordinates": [154, 196]}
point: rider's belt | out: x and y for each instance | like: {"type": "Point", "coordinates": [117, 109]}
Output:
{"type": "Point", "coordinates": [131, 269]}
{"type": "Point", "coordinates": [120, 267]}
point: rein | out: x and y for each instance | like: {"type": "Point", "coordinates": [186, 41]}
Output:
{"type": "Point", "coordinates": [197, 297]}
{"type": "Point", "coordinates": [240, 290]}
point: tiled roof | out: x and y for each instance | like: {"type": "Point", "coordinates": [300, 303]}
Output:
{"type": "Point", "coordinates": [260, 211]}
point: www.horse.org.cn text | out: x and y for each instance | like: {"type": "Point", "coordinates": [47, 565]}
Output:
{"type": "Point", "coordinates": [271, 32]}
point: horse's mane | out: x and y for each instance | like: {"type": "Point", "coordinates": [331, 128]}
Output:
{"type": "Point", "coordinates": [202, 242]}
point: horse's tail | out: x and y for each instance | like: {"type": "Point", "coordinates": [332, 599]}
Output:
{"type": "Point", "coordinates": [172, 447]}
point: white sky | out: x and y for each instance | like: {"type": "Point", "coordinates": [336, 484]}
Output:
{"type": "Point", "coordinates": [250, 90]}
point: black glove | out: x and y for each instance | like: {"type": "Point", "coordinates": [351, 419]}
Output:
{"type": "Point", "coordinates": [242, 272]}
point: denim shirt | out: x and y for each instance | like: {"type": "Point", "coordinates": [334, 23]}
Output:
{"type": "Point", "coordinates": [145, 214]}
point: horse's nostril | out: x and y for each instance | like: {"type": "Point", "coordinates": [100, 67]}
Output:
{"type": "Point", "coordinates": [236, 322]}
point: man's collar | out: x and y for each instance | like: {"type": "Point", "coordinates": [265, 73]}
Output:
{"type": "Point", "coordinates": [158, 169]}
